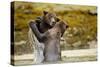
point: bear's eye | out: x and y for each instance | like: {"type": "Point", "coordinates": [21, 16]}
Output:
{"type": "Point", "coordinates": [57, 19]}
{"type": "Point", "coordinates": [67, 26]}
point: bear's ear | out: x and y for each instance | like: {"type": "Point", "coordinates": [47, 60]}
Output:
{"type": "Point", "coordinates": [45, 12]}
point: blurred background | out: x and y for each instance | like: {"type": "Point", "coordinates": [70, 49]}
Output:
{"type": "Point", "coordinates": [82, 20]}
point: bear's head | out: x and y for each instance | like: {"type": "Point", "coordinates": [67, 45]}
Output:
{"type": "Point", "coordinates": [50, 18]}
{"type": "Point", "coordinates": [61, 26]}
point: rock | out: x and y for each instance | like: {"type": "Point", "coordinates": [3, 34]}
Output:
{"type": "Point", "coordinates": [92, 44]}
{"type": "Point", "coordinates": [92, 12]}
{"type": "Point", "coordinates": [76, 44]}
{"type": "Point", "coordinates": [20, 43]}
{"type": "Point", "coordinates": [28, 12]}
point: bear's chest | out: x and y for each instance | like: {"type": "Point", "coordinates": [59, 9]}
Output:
{"type": "Point", "coordinates": [54, 34]}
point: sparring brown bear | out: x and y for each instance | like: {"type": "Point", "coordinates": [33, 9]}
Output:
{"type": "Point", "coordinates": [42, 24]}
{"type": "Point", "coordinates": [52, 37]}
{"type": "Point", "coordinates": [51, 40]}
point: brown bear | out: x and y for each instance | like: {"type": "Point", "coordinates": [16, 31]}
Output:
{"type": "Point", "coordinates": [51, 40]}
{"type": "Point", "coordinates": [40, 24]}
{"type": "Point", "coordinates": [52, 37]}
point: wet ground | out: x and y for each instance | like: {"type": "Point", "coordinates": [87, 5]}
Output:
{"type": "Point", "coordinates": [82, 55]}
